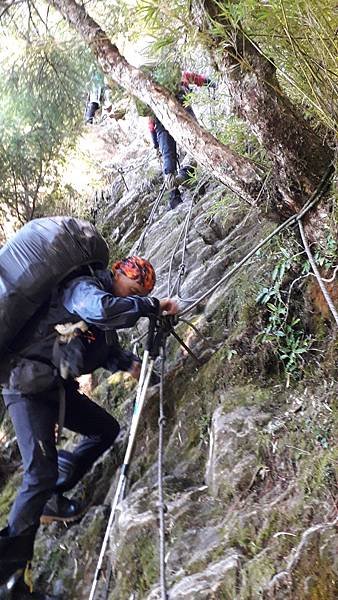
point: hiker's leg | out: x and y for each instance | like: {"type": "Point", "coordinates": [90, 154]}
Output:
{"type": "Point", "coordinates": [97, 426]}
{"type": "Point", "coordinates": [167, 146]}
{"type": "Point", "coordinates": [91, 109]}
{"type": "Point", "coordinates": [34, 423]}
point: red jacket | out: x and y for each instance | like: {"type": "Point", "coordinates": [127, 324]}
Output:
{"type": "Point", "coordinates": [188, 78]}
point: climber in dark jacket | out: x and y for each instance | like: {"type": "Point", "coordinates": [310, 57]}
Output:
{"type": "Point", "coordinates": [92, 307]}
{"type": "Point", "coordinates": [165, 143]}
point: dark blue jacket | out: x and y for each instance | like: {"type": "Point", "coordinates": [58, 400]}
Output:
{"type": "Point", "coordinates": [89, 299]}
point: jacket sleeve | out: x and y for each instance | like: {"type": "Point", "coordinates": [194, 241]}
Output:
{"type": "Point", "coordinates": [85, 298]}
{"type": "Point", "coordinates": [189, 78]}
{"type": "Point", "coordinates": [153, 132]}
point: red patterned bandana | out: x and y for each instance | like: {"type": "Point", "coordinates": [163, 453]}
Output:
{"type": "Point", "coordinates": [138, 269]}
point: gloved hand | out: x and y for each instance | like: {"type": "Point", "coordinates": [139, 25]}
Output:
{"type": "Point", "coordinates": [170, 181]}
{"type": "Point", "coordinates": [158, 153]}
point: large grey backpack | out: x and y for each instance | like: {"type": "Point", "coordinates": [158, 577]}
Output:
{"type": "Point", "coordinates": [39, 256]}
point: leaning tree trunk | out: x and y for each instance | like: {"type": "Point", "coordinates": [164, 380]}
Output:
{"type": "Point", "coordinates": [235, 171]}
{"type": "Point", "coordinates": [299, 156]}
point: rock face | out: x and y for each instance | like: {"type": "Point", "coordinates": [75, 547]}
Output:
{"type": "Point", "coordinates": [249, 484]}
{"type": "Point", "coordinates": [233, 440]}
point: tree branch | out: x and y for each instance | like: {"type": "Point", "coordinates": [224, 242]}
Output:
{"type": "Point", "coordinates": [300, 157]}
{"type": "Point", "coordinates": [239, 173]}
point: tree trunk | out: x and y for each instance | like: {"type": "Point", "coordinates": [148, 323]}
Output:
{"type": "Point", "coordinates": [299, 156]}
{"type": "Point", "coordinates": [235, 171]}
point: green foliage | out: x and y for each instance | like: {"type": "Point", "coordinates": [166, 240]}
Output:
{"type": "Point", "coordinates": [284, 331]}
{"type": "Point", "coordinates": [142, 108]}
{"type": "Point", "coordinates": [225, 206]}
{"type": "Point", "coordinates": [327, 253]}
{"type": "Point", "coordinates": [235, 133]}
{"type": "Point", "coordinates": [39, 125]}
{"type": "Point", "coordinates": [168, 74]}
{"type": "Point", "coordinates": [166, 22]}
{"type": "Point", "coordinates": [298, 36]}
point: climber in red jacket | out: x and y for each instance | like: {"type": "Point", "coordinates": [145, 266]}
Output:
{"type": "Point", "coordinates": [165, 143]}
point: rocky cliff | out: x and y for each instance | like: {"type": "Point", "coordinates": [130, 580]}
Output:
{"type": "Point", "coordinates": [250, 454]}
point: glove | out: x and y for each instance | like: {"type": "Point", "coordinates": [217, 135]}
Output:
{"type": "Point", "coordinates": [170, 181]}
{"type": "Point", "coordinates": [158, 153]}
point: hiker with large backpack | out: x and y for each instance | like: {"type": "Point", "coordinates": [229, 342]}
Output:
{"type": "Point", "coordinates": [161, 138]}
{"type": "Point", "coordinates": [61, 308]}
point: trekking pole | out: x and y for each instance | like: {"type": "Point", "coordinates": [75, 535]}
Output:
{"type": "Point", "coordinates": [146, 371]}
{"type": "Point", "coordinates": [161, 504]}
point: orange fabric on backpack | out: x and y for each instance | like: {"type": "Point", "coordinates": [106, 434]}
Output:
{"type": "Point", "coordinates": [139, 269]}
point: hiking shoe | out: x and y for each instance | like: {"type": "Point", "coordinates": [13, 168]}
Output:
{"type": "Point", "coordinates": [175, 199]}
{"type": "Point", "coordinates": [16, 588]}
{"type": "Point", "coordinates": [8, 584]}
{"type": "Point", "coordinates": [60, 508]}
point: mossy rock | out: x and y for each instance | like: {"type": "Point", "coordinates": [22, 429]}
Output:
{"type": "Point", "coordinates": [136, 567]}
{"type": "Point", "coordinates": [7, 496]}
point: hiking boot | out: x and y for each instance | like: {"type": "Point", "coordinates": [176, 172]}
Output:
{"type": "Point", "coordinates": [18, 587]}
{"type": "Point", "coordinates": [7, 586]}
{"type": "Point", "coordinates": [16, 553]}
{"type": "Point", "coordinates": [175, 199]}
{"type": "Point", "coordinates": [186, 174]}
{"type": "Point", "coordinates": [60, 508]}
{"type": "Point", "coordinates": [69, 472]}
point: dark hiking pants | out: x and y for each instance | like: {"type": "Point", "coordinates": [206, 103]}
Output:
{"type": "Point", "coordinates": [91, 109]}
{"type": "Point", "coordinates": [167, 145]}
{"type": "Point", "coordinates": [34, 419]}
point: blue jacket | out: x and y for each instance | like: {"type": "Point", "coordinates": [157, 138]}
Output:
{"type": "Point", "coordinates": [91, 299]}
{"type": "Point", "coordinates": [84, 298]}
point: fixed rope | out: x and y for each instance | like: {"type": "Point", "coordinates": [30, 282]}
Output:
{"type": "Point", "coordinates": [323, 185]}
{"type": "Point", "coordinates": [316, 273]}
{"type": "Point", "coordinates": [150, 219]}
{"type": "Point", "coordinates": [176, 286]}
{"type": "Point", "coordinates": [156, 345]}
